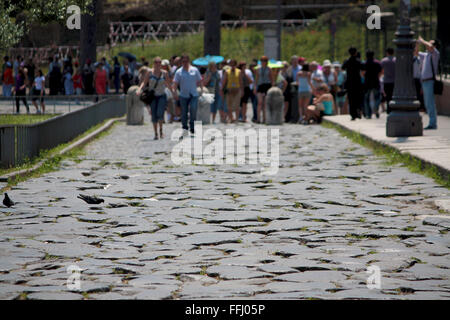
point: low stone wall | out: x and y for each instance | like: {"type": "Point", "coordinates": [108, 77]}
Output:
{"type": "Point", "coordinates": [443, 101]}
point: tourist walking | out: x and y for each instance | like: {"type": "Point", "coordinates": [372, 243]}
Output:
{"type": "Point", "coordinates": [88, 77]}
{"type": "Point", "coordinates": [54, 74]}
{"type": "Point", "coordinates": [188, 78]}
{"type": "Point", "coordinates": [388, 65]}
{"type": "Point", "coordinates": [430, 62]}
{"type": "Point", "coordinates": [264, 81]}
{"type": "Point", "coordinates": [8, 79]}
{"type": "Point", "coordinates": [247, 81]}
{"type": "Point", "coordinates": [100, 79]}
{"type": "Point", "coordinates": [158, 80]}
{"type": "Point", "coordinates": [126, 79]}
{"type": "Point", "coordinates": [232, 81]}
{"type": "Point", "coordinates": [68, 82]}
{"type": "Point", "coordinates": [329, 76]}
{"type": "Point", "coordinates": [39, 91]}
{"type": "Point", "coordinates": [20, 90]}
{"type": "Point", "coordinates": [353, 83]}
{"type": "Point", "coordinates": [212, 82]}
{"type": "Point", "coordinates": [372, 72]}
{"type": "Point", "coordinates": [341, 94]}
{"type": "Point", "coordinates": [116, 74]}
{"type": "Point", "coordinates": [253, 97]}
{"type": "Point", "coordinates": [77, 84]}
{"type": "Point", "coordinates": [305, 89]}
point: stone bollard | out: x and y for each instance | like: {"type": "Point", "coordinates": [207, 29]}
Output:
{"type": "Point", "coordinates": [204, 106]}
{"type": "Point", "coordinates": [135, 107]}
{"type": "Point", "coordinates": [274, 106]}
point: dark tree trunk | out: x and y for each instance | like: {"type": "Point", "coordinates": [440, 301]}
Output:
{"type": "Point", "coordinates": [443, 26]}
{"type": "Point", "coordinates": [88, 34]}
{"type": "Point", "coordinates": [211, 43]}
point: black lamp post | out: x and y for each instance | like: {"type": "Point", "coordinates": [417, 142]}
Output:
{"type": "Point", "coordinates": [404, 119]}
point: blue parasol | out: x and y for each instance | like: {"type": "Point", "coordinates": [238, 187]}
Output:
{"type": "Point", "coordinates": [204, 61]}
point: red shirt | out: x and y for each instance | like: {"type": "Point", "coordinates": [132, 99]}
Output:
{"type": "Point", "coordinates": [8, 76]}
{"type": "Point", "coordinates": [77, 81]}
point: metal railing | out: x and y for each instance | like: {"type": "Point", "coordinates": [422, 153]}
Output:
{"type": "Point", "coordinates": [120, 31]}
{"type": "Point", "coordinates": [21, 142]}
{"type": "Point", "coordinates": [55, 103]}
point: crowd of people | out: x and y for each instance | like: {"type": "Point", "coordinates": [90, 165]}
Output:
{"type": "Point", "coordinates": [356, 87]}
{"type": "Point", "coordinates": [23, 78]}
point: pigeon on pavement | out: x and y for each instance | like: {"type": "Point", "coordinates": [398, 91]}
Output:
{"type": "Point", "coordinates": [7, 201]}
{"type": "Point", "coordinates": [90, 199]}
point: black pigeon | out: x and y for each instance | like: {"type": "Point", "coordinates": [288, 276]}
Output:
{"type": "Point", "coordinates": [7, 201]}
{"type": "Point", "coordinates": [90, 200]}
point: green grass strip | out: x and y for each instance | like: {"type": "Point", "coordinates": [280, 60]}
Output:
{"type": "Point", "coordinates": [393, 156]}
{"type": "Point", "coordinates": [12, 119]}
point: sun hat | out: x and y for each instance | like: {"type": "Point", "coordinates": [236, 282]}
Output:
{"type": "Point", "coordinates": [326, 63]}
{"type": "Point", "coordinates": [165, 62]}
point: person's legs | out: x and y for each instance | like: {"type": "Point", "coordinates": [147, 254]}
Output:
{"type": "Point", "coordinates": [254, 100]}
{"type": "Point", "coordinates": [300, 100]}
{"type": "Point", "coordinates": [306, 101]}
{"type": "Point", "coordinates": [184, 111]}
{"type": "Point", "coordinates": [377, 99]}
{"type": "Point", "coordinates": [43, 105]}
{"type": "Point", "coordinates": [352, 102]}
{"type": "Point", "coordinates": [260, 106]}
{"type": "Point", "coordinates": [7, 90]}
{"type": "Point", "coordinates": [214, 106]}
{"type": "Point", "coordinates": [229, 99]}
{"type": "Point", "coordinates": [367, 106]}
{"type": "Point", "coordinates": [430, 105]}
{"type": "Point", "coordinates": [24, 99]}
{"type": "Point", "coordinates": [154, 114]}
{"type": "Point", "coordinates": [419, 94]}
{"type": "Point", "coordinates": [389, 91]}
{"type": "Point", "coordinates": [193, 112]}
{"type": "Point", "coordinates": [161, 108]}
{"type": "Point", "coordinates": [33, 101]}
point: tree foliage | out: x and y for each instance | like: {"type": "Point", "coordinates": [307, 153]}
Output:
{"type": "Point", "coordinates": [17, 16]}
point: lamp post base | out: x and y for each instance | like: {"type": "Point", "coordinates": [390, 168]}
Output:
{"type": "Point", "coordinates": [404, 124]}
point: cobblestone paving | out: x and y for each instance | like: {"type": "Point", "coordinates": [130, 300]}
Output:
{"type": "Point", "coordinates": [222, 232]}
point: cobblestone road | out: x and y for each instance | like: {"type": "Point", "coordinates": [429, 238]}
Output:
{"type": "Point", "coordinates": [209, 232]}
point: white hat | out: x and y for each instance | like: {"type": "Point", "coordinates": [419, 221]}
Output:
{"type": "Point", "coordinates": [165, 62]}
{"type": "Point", "coordinates": [327, 63]}
{"type": "Point", "coordinates": [336, 64]}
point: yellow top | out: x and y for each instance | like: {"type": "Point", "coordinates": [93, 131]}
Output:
{"type": "Point", "coordinates": [233, 78]}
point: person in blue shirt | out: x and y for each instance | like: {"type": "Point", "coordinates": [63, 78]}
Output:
{"type": "Point", "coordinates": [429, 69]}
{"type": "Point", "coordinates": [188, 78]}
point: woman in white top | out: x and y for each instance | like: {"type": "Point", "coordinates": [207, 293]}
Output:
{"type": "Point", "coordinates": [158, 80]}
{"type": "Point", "coordinates": [39, 90]}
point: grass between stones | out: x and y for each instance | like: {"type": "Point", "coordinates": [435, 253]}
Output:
{"type": "Point", "coordinates": [52, 158]}
{"type": "Point", "coordinates": [392, 156]}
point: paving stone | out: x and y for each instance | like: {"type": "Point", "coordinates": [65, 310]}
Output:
{"type": "Point", "coordinates": [308, 232]}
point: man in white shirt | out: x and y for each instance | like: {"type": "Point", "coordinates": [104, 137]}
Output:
{"type": "Point", "coordinates": [429, 62]}
{"type": "Point", "coordinates": [316, 75]}
{"type": "Point", "coordinates": [189, 78]}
